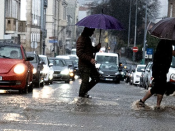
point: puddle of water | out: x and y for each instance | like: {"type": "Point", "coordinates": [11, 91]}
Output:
{"type": "Point", "coordinates": [87, 101]}
{"type": "Point", "coordinates": [136, 107]}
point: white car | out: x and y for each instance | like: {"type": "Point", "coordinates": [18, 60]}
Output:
{"type": "Point", "coordinates": [171, 73]}
{"type": "Point", "coordinates": [47, 70]}
{"type": "Point", "coordinates": [135, 79]}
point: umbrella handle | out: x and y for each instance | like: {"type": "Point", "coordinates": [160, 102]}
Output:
{"type": "Point", "coordinates": [100, 36]}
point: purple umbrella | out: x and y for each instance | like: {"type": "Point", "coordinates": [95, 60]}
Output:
{"type": "Point", "coordinates": [100, 21]}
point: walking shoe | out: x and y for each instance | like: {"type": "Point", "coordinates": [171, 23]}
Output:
{"type": "Point", "coordinates": [86, 96]}
{"type": "Point", "coordinates": [157, 108]}
{"type": "Point", "coordinates": [141, 103]}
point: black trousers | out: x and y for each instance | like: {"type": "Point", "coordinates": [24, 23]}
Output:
{"type": "Point", "coordinates": [90, 77]}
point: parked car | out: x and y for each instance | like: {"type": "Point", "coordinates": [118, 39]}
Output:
{"type": "Point", "coordinates": [47, 70]}
{"type": "Point", "coordinates": [109, 72]}
{"type": "Point", "coordinates": [146, 75]}
{"type": "Point", "coordinates": [70, 62]}
{"type": "Point", "coordinates": [38, 77]}
{"type": "Point", "coordinates": [75, 62]}
{"type": "Point", "coordinates": [135, 78]}
{"type": "Point", "coordinates": [16, 72]}
{"type": "Point", "coordinates": [61, 70]}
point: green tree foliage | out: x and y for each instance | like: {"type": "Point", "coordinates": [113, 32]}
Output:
{"type": "Point", "coordinates": [120, 10]}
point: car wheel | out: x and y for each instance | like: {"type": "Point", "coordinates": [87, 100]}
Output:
{"type": "Point", "coordinates": [51, 81]}
{"type": "Point", "coordinates": [73, 79]}
{"type": "Point", "coordinates": [42, 84]}
{"type": "Point", "coordinates": [30, 89]}
{"type": "Point", "coordinates": [67, 81]}
{"type": "Point", "coordinates": [39, 79]}
{"type": "Point", "coordinates": [146, 84]}
{"type": "Point", "coordinates": [26, 89]}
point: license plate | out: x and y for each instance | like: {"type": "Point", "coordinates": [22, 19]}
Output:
{"type": "Point", "coordinates": [109, 79]}
{"type": "Point", "coordinates": [0, 78]}
{"type": "Point", "coordinates": [56, 75]}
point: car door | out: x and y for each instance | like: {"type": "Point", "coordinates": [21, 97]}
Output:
{"type": "Point", "coordinates": [147, 75]}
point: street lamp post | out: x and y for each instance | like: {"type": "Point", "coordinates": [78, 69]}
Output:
{"type": "Point", "coordinates": [145, 32]}
{"type": "Point", "coordinates": [129, 23]}
{"type": "Point", "coordinates": [135, 31]}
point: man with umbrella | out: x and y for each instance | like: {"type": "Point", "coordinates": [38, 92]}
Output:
{"type": "Point", "coordinates": [86, 64]}
{"type": "Point", "coordinates": [85, 49]}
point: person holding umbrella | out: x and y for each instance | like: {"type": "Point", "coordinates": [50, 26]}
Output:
{"type": "Point", "coordinates": [86, 64]}
{"type": "Point", "coordinates": [85, 50]}
{"type": "Point", "coordinates": [161, 64]}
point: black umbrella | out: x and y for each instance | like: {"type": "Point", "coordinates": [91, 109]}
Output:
{"type": "Point", "coordinates": [164, 29]}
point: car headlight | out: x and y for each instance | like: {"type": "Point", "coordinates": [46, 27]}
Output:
{"type": "Point", "coordinates": [19, 68]}
{"type": "Point", "coordinates": [65, 72]}
{"type": "Point", "coordinates": [122, 73]}
{"type": "Point", "coordinates": [172, 77]}
{"type": "Point", "coordinates": [101, 72]}
{"type": "Point", "coordinates": [34, 70]}
{"type": "Point", "coordinates": [117, 73]}
{"type": "Point", "coordinates": [70, 70]}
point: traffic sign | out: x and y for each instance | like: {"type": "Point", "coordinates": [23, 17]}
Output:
{"type": "Point", "coordinates": [135, 49]}
{"type": "Point", "coordinates": [53, 41]}
{"type": "Point", "coordinates": [149, 51]}
{"type": "Point", "coordinates": [34, 44]}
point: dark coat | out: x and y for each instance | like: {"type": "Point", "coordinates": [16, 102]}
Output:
{"type": "Point", "coordinates": [85, 50]}
{"type": "Point", "coordinates": [162, 59]}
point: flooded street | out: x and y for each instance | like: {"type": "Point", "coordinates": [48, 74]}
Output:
{"type": "Point", "coordinates": [112, 108]}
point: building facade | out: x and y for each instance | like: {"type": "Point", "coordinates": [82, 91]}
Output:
{"type": "Point", "coordinates": [55, 24]}
{"type": "Point", "coordinates": [72, 18]}
{"type": "Point", "coordinates": [171, 8]}
{"type": "Point", "coordinates": [10, 20]}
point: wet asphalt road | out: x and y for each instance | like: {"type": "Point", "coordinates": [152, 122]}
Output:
{"type": "Point", "coordinates": [54, 108]}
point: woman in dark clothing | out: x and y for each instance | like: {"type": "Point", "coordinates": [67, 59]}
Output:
{"type": "Point", "coordinates": [161, 64]}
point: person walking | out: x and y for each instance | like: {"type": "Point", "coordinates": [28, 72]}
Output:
{"type": "Point", "coordinates": [86, 63]}
{"type": "Point", "coordinates": [161, 64]}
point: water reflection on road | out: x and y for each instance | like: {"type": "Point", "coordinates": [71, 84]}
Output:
{"type": "Point", "coordinates": [54, 107]}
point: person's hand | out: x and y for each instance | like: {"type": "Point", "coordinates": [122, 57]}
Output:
{"type": "Point", "coordinates": [93, 61]}
{"type": "Point", "coordinates": [98, 46]}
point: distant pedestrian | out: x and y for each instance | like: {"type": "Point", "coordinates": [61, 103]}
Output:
{"type": "Point", "coordinates": [86, 63]}
{"type": "Point", "coordinates": [161, 64]}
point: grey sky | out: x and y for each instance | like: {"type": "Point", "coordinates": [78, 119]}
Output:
{"type": "Point", "coordinates": [164, 8]}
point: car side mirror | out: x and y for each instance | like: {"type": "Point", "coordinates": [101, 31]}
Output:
{"type": "Point", "coordinates": [42, 62]}
{"type": "Point", "coordinates": [51, 64]}
{"type": "Point", "coordinates": [69, 66]}
{"type": "Point", "coordinates": [148, 70]}
{"type": "Point", "coordinates": [29, 58]}
{"type": "Point", "coordinates": [142, 70]}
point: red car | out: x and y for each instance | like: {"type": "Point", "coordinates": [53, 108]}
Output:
{"type": "Point", "coordinates": [16, 72]}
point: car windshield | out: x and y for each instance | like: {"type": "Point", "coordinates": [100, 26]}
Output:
{"type": "Point", "coordinates": [109, 67]}
{"type": "Point", "coordinates": [56, 62]}
{"type": "Point", "coordinates": [68, 62]}
{"type": "Point", "coordinates": [34, 56]}
{"type": "Point", "coordinates": [44, 59]}
{"type": "Point", "coordinates": [140, 68]}
{"type": "Point", "coordinates": [10, 52]}
{"type": "Point", "coordinates": [73, 52]}
{"type": "Point", "coordinates": [109, 59]}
